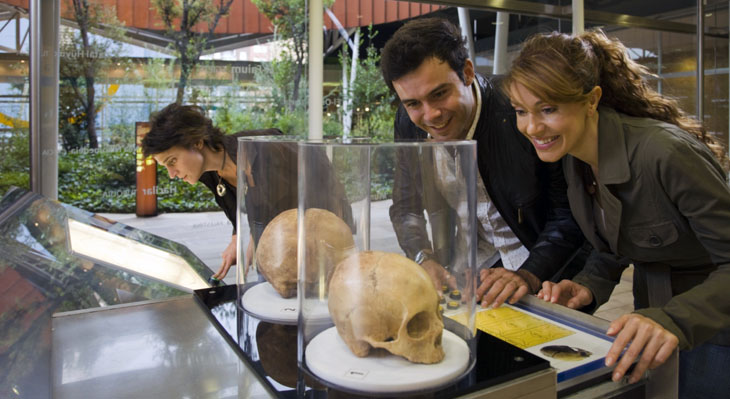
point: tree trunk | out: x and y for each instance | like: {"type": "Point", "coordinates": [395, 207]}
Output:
{"type": "Point", "coordinates": [184, 73]}
{"type": "Point", "coordinates": [297, 78]}
{"type": "Point", "coordinates": [81, 9]}
{"type": "Point", "coordinates": [91, 112]}
{"type": "Point", "coordinates": [299, 54]}
{"type": "Point", "coordinates": [346, 112]}
{"type": "Point", "coordinates": [348, 85]}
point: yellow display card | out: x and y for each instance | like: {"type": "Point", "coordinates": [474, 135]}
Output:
{"type": "Point", "coordinates": [518, 328]}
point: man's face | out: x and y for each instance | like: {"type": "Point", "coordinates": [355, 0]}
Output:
{"type": "Point", "coordinates": [436, 99]}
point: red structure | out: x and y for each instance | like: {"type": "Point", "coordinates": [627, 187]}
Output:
{"type": "Point", "coordinates": [244, 17]}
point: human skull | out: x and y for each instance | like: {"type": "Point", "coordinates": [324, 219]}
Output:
{"type": "Point", "coordinates": [385, 300]}
{"type": "Point", "coordinates": [328, 240]}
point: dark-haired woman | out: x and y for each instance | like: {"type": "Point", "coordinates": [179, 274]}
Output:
{"type": "Point", "coordinates": [184, 140]}
{"type": "Point", "coordinates": [647, 186]}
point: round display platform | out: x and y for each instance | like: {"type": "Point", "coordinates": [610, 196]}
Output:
{"type": "Point", "coordinates": [330, 359]}
{"type": "Point", "coordinates": [263, 302]}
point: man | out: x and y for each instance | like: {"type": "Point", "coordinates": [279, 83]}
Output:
{"type": "Point", "coordinates": [526, 232]}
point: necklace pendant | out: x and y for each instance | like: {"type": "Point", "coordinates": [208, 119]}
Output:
{"type": "Point", "coordinates": [220, 189]}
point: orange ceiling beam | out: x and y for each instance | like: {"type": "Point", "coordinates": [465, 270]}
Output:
{"type": "Point", "coordinates": [244, 17]}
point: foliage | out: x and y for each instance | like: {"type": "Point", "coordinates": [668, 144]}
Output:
{"type": "Point", "coordinates": [351, 164]}
{"type": "Point", "coordinates": [84, 61]}
{"type": "Point", "coordinates": [289, 18]}
{"type": "Point", "coordinates": [157, 79]}
{"type": "Point", "coordinates": [369, 96]}
{"type": "Point", "coordinates": [231, 117]}
{"type": "Point", "coordinates": [188, 43]}
{"type": "Point", "coordinates": [105, 181]}
{"type": "Point", "coordinates": [287, 91]}
{"type": "Point", "coordinates": [15, 162]}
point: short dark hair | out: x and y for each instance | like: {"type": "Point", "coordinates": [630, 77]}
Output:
{"type": "Point", "coordinates": [180, 125]}
{"type": "Point", "coordinates": [418, 40]}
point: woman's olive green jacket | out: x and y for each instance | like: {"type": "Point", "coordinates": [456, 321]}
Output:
{"type": "Point", "coordinates": [667, 211]}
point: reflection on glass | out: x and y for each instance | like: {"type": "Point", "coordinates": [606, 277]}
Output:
{"type": "Point", "coordinates": [381, 330]}
{"type": "Point", "coordinates": [133, 256]}
{"type": "Point", "coordinates": [40, 275]}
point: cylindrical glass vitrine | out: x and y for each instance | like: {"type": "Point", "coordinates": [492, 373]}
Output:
{"type": "Point", "coordinates": [266, 270]}
{"type": "Point", "coordinates": [387, 270]}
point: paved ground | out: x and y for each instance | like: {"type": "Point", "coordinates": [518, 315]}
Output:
{"type": "Point", "coordinates": [206, 234]}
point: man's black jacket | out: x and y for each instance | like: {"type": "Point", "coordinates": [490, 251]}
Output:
{"type": "Point", "coordinates": [529, 194]}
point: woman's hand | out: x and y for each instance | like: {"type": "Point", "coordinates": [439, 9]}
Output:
{"type": "Point", "coordinates": [248, 261]}
{"type": "Point", "coordinates": [566, 293]}
{"type": "Point", "coordinates": [645, 337]}
{"type": "Point", "coordinates": [229, 258]}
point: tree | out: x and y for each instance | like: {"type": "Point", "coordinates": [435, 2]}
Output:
{"type": "Point", "coordinates": [84, 59]}
{"type": "Point", "coordinates": [289, 18]}
{"type": "Point", "coordinates": [187, 43]}
{"type": "Point", "coordinates": [366, 93]}
{"type": "Point", "coordinates": [349, 81]}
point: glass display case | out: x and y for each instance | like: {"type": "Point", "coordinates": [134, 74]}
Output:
{"type": "Point", "coordinates": [57, 258]}
{"type": "Point", "coordinates": [387, 265]}
{"type": "Point", "coordinates": [266, 285]}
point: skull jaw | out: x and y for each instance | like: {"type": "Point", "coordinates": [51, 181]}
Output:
{"type": "Point", "coordinates": [426, 349]}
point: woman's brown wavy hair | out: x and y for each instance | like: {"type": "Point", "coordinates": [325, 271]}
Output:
{"type": "Point", "coordinates": [561, 68]}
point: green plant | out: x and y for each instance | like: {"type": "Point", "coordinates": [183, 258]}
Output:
{"type": "Point", "coordinates": [105, 181]}
{"type": "Point", "coordinates": [84, 60]}
{"type": "Point", "coordinates": [366, 99]}
{"type": "Point", "coordinates": [15, 161]}
{"type": "Point", "coordinates": [187, 43]}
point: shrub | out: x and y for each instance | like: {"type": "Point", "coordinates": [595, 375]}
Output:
{"type": "Point", "coordinates": [99, 181]}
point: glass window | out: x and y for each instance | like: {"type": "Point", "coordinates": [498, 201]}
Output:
{"type": "Point", "coordinates": [14, 102]}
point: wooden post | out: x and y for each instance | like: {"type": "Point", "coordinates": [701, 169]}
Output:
{"type": "Point", "coordinates": [146, 175]}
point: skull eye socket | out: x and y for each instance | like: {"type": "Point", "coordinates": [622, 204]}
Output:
{"type": "Point", "coordinates": [418, 325]}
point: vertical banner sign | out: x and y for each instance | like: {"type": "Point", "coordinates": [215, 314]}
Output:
{"type": "Point", "coordinates": [146, 175]}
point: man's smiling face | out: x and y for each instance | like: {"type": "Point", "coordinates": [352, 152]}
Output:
{"type": "Point", "coordinates": [436, 99]}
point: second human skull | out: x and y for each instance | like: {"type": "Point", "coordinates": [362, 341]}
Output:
{"type": "Point", "coordinates": [329, 240]}
{"type": "Point", "coordinates": [385, 300]}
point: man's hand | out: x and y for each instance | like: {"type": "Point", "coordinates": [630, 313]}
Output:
{"type": "Point", "coordinates": [229, 258]}
{"type": "Point", "coordinates": [566, 293]}
{"type": "Point", "coordinates": [645, 337]}
{"type": "Point", "coordinates": [499, 284]}
{"type": "Point", "coordinates": [439, 275]}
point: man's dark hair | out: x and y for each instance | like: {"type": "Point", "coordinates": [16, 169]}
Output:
{"type": "Point", "coordinates": [418, 40]}
{"type": "Point", "coordinates": [180, 125]}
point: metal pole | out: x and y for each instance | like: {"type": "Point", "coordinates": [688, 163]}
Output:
{"type": "Point", "coordinates": [700, 59]}
{"type": "Point", "coordinates": [465, 23]}
{"type": "Point", "coordinates": [578, 17]}
{"type": "Point", "coordinates": [659, 63]}
{"type": "Point", "coordinates": [44, 28]}
{"type": "Point", "coordinates": [34, 14]}
{"type": "Point", "coordinates": [316, 68]}
{"type": "Point", "coordinates": [501, 34]}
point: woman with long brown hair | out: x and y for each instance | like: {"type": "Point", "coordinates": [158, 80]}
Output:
{"type": "Point", "coordinates": [647, 186]}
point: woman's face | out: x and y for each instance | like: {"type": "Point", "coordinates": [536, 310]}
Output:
{"type": "Point", "coordinates": [554, 129]}
{"type": "Point", "coordinates": [182, 163]}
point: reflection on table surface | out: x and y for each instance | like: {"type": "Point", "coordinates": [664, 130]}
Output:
{"type": "Point", "coordinates": [166, 348]}
{"type": "Point", "coordinates": [42, 272]}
